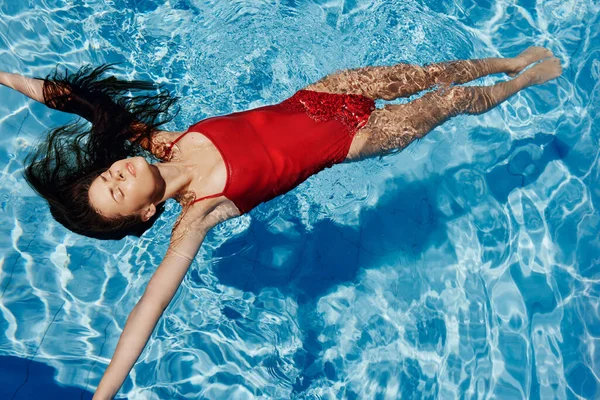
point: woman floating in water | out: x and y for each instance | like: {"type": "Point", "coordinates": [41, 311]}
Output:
{"type": "Point", "coordinates": [98, 183]}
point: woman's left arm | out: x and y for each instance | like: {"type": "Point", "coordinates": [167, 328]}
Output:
{"type": "Point", "coordinates": [56, 95]}
{"type": "Point", "coordinates": [30, 87]}
{"type": "Point", "coordinates": [60, 95]}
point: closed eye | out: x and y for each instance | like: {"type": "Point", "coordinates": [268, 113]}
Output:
{"type": "Point", "coordinates": [112, 192]}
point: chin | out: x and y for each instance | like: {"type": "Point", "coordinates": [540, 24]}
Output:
{"type": "Point", "coordinates": [141, 166]}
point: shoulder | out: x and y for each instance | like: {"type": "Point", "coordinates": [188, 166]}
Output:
{"type": "Point", "coordinates": [197, 219]}
{"type": "Point", "coordinates": [159, 142]}
{"type": "Point", "coordinates": [194, 224]}
{"type": "Point", "coordinates": [166, 136]}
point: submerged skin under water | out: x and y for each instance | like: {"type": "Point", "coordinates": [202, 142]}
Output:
{"type": "Point", "coordinates": [465, 266]}
{"type": "Point", "coordinates": [394, 127]}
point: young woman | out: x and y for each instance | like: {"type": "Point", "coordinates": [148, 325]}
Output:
{"type": "Point", "coordinates": [98, 183]}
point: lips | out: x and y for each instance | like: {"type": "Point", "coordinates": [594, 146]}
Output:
{"type": "Point", "coordinates": [130, 169]}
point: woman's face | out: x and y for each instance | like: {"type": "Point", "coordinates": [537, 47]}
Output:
{"type": "Point", "coordinates": [129, 186]}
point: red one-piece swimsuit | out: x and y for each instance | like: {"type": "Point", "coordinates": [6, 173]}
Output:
{"type": "Point", "coordinates": [270, 150]}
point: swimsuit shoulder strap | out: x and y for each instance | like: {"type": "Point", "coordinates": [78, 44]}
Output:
{"type": "Point", "coordinates": [208, 197]}
{"type": "Point", "coordinates": [170, 148]}
{"type": "Point", "coordinates": [170, 145]}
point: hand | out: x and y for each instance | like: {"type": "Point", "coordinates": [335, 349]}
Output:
{"type": "Point", "coordinates": [30, 87]}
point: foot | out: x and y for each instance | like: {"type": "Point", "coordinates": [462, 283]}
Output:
{"type": "Point", "coordinates": [544, 71]}
{"type": "Point", "coordinates": [527, 57]}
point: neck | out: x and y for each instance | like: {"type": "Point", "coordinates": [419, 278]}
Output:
{"type": "Point", "coordinates": [177, 177]}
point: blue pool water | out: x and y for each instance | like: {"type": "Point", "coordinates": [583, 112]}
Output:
{"type": "Point", "coordinates": [467, 266]}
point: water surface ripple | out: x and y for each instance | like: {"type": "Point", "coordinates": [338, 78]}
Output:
{"type": "Point", "coordinates": [467, 266]}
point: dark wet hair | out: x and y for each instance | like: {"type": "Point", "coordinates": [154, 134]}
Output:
{"type": "Point", "coordinates": [122, 116]}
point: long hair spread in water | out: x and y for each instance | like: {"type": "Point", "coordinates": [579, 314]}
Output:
{"type": "Point", "coordinates": [123, 116]}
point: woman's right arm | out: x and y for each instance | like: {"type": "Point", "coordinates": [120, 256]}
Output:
{"type": "Point", "coordinates": [30, 87]}
{"type": "Point", "coordinates": [185, 243]}
{"type": "Point", "coordinates": [143, 319]}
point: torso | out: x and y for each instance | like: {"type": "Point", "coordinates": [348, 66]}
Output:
{"type": "Point", "coordinates": [255, 155]}
{"type": "Point", "coordinates": [210, 174]}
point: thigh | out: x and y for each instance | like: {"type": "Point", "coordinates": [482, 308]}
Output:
{"type": "Point", "coordinates": [386, 132]}
{"type": "Point", "coordinates": [375, 82]}
{"type": "Point", "coordinates": [395, 126]}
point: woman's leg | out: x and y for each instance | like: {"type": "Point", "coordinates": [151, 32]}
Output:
{"type": "Point", "coordinates": [402, 80]}
{"type": "Point", "coordinates": [395, 126]}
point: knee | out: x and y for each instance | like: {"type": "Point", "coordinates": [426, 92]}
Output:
{"type": "Point", "coordinates": [460, 99]}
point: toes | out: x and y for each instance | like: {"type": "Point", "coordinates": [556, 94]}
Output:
{"type": "Point", "coordinates": [529, 56]}
{"type": "Point", "coordinates": [548, 53]}
{"type": "Point", "coordinates": [536, 53]}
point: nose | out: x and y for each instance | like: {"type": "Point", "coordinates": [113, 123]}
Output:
{"type": "Point", "coordinates": [117, 174]}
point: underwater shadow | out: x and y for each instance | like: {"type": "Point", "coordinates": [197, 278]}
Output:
{"type": "Point", "coordinates": [306, 264]}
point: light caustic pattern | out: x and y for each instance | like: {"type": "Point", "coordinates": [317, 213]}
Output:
{"type": "Point", "coordinates": [466, 266]}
